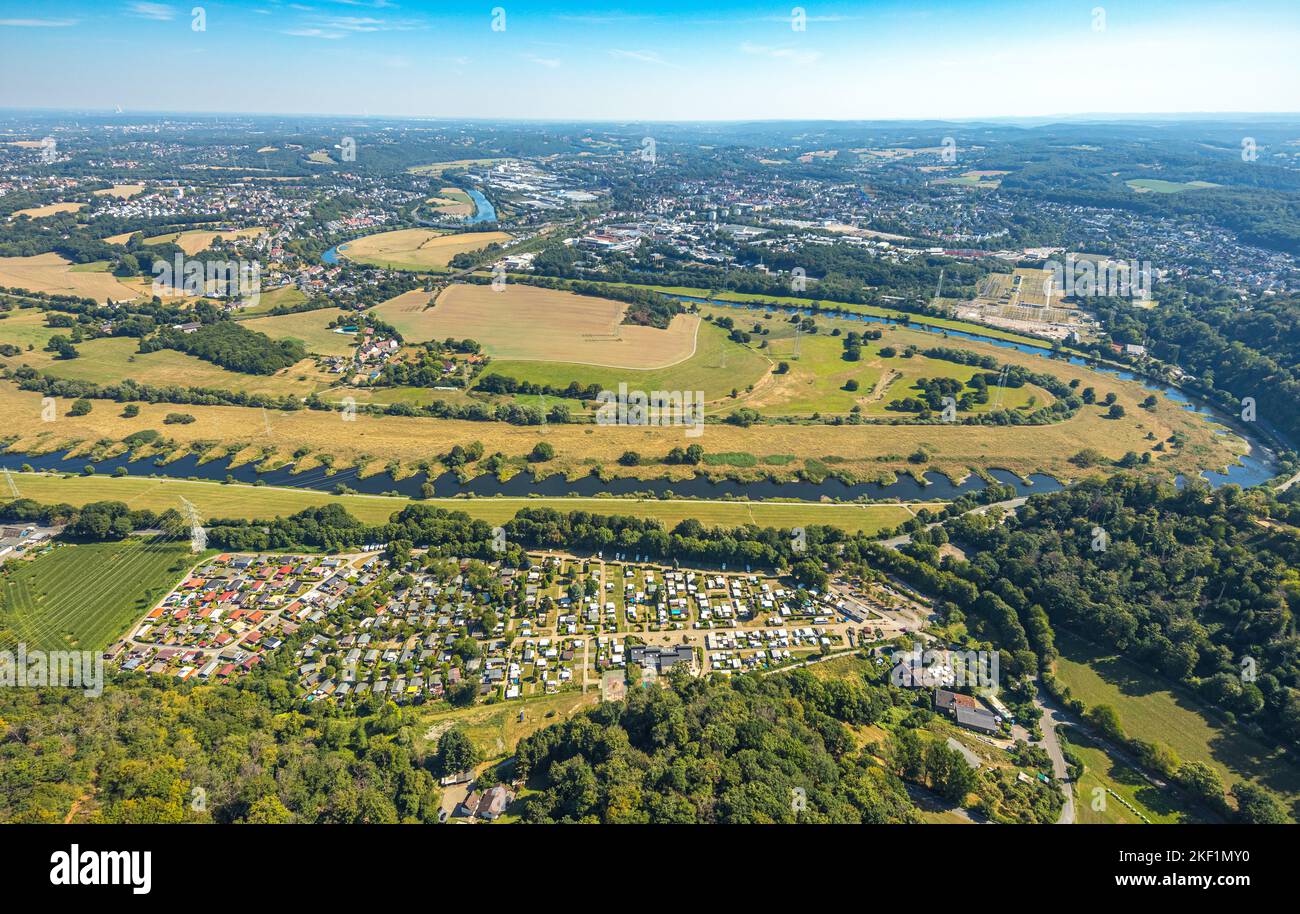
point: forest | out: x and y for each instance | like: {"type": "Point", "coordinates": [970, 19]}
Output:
{"type": "Point", "coordinates": [1199, 584]}
{"type": "Point", "coordinates": [750, 750]}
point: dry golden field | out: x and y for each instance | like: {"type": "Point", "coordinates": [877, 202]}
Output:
{"type": "Point", "coordinates": [526, 323]}
{"type": "Point", "coordinates": [120, 191]}
{"type": "Point", "coordinates": [438, 168]}
{"type": "Point", "coordinates": [196, 240]}
{"type": "Point", "coordinates": [452, 201]}
{"type": "Point", "coordinates": [49, 209]}
{"type": "Point", "coordinates": [52, 273]}
{"type": "Point", "coordinates": [416, 249]}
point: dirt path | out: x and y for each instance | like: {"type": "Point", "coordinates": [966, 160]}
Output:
{"type": "Point", "coordinates": [888, 377]}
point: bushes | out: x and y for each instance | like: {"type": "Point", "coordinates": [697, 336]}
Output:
{"type": "Point", "coordinates": [140, 438]}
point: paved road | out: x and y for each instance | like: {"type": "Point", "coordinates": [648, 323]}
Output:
{"type": "Point", "coordinates": [1289, 483]}
{"type": "Point", "coordinates": [1051, 718]}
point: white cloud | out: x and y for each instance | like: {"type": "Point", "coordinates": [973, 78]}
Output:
{"type": "Point", "coordinates": [335, 27]}
{"type": "Point", "coordinates": [157, 11]}
{"type": "Point", "coordinates": [549, 62]}
{"type": "Point", "coordinates": [314, 33]}
{"type": "Point", "coordinates": [38, 23]}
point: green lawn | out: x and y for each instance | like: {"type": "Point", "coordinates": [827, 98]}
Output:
{"type": "Point", "coordinates": [214, 499]}
{"type": "Point", "coordinates": [86, 596]}
{"type": "Point", "coordinates": [1153, 709]}
{"type": "Point", "coordinates": [311, 328]}
{"type": "Point", "coordinates": [1105, 774]}
{"type": "Point", "coordinates": [1158, 186]}
{"type": "Point", "coordinates": [25, 326]}
{"type": "Point", "coordinates": [284, 296]}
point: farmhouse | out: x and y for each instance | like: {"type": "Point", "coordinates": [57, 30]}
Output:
{"type": "Point", "coordinates": [966, 711]}
{"type": "Point", "coordinates": [487, 805]}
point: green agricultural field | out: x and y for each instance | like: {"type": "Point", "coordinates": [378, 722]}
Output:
{"type": "Point", "coordinates": [214, 499]}
{"type": "Point", "coordinates": [309, 328]}
{"type": "Point", "coordinates": [1152, 709]}
{"type": "Point", "coordinates": [1157, 186]}
{"type": "Point", "coordinates": [25, 327]}
{"type": "Point", "coordinates": [110, 359]}
{"type": "Point", "coordinates": [717, 366]}
{"type": "Point", "coordinates": [284, 296]}
{"type": "Point", "coordinates": [415, 396]}
{"type": "Point", "coordinates": [86, 596]}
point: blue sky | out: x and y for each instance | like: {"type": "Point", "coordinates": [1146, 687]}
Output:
{"type": "Point", "coordinates": [665, 60]}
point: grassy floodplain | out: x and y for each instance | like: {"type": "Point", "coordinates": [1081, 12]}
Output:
{"type": "Point", "coordinates": [218, 500]}
{"type": "Point", "coordinates": [108, 360]}
{"type": "Point", "coordinates": [865, 451]}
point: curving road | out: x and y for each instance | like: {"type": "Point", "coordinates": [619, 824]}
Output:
{"type": "Point", "coordinates": [1051, 718]}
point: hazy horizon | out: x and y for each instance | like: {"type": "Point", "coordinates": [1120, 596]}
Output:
{"type": "Point", "coordinates": [677, 61]}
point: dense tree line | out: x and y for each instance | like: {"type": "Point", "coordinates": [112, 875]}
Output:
{"type": "Point", "coordinates": [1234, 349]}
{"type": "Point", "coordinates": [230, 345]}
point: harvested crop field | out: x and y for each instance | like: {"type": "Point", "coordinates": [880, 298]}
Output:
{"type": "Point", "coordinates": [120, 191]}
{"type": "Point", "coordinates": [452, 201]}
{"type": "Point", "coordinates": [196, 240]}
{"type": "Point", "coordinates": [416, 249]}
{"type": "Point", "coordinates": [437, 168]}
{"type": "Point", "coordinates": [49, 209]}
{"type": "Point", "coordinates": [525, 323]}
{"type": "Point", "coordinates": [52, 273]}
